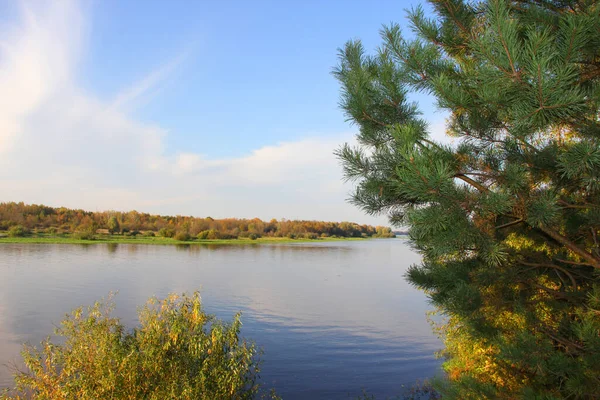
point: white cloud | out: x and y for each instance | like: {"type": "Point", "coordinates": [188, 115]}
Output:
{"type": "Point", "coordinates": [61, 146]}
{"type": "Point", "coordinates": [33, 65]}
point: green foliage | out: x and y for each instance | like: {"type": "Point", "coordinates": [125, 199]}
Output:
{"type": "Point", "coordinates": [384, 232]}
{"type": "Point", "coordinates": [177, 352]}
{"type": "Point", "coordinates": [113, 225]}
{"type": "Point", "coordinates": [86, 230]}
{"type": "Point", "coordinates": [208, 234]}
{"type": "Point", "coordinates": [17, 231]}
{"type": "Point", "coordinates": [508, 217]}
{"type": "Point", "coordinates": [84, 234]}
{"type": "Point", "coordinates": [203, 235]}
{"type": "Point", "coordinates": [182, 236]}
{"type": "Point", "coordinates": [167, 233]}
{"type": "Point", "coordinates": [212, 234]}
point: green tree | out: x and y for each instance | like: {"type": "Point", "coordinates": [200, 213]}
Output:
{"type": "Point", "coordinates": [113, 225]}
{"type": "Point", "coordinates": [182, 236]}
{"type": "Point", "coordinates": [17, 231]}
{"type": "Point", "coordinates": [177, 352]}
{"type": "Point", "coordinates": [166, 232]}
{"type": "Point", "coordinates": [507, 219]}
{"type": "Point", "coordinates": [384, 232]}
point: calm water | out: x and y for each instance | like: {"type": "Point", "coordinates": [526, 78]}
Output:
{"type": "Point", "coordinates": [333, 318]}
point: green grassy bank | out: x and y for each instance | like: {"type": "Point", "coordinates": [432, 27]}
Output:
{"type": "Point", "coordinates": [70, 239]}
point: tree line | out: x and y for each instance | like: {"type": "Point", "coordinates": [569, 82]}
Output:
{"type": "Point", "coordinates": [26, 218]}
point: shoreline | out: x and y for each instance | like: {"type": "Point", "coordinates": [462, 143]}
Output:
{"type": "Point", "coordinates": [164, 241]}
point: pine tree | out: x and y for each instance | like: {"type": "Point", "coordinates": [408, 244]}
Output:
{"type": "Point", "coordinates": [507, 219]}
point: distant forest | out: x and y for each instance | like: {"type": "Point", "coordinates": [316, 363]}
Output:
{"type": "Point", "coordinates": [32, 218]}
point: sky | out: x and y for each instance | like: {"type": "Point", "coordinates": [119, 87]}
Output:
{"type": "Point", "coordinates": [203, 108]}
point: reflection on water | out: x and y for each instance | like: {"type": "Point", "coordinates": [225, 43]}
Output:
{"type": "Point", "coordinates": [333, 318]}
{"type": "Point", "coordinates": [112, 247]}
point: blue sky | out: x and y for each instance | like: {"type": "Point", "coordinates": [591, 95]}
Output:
{"type": "Point", "coordinates": [184, 107]}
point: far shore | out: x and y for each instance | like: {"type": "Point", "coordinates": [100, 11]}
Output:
{"type": "Point", "coordinates": [99, 239]}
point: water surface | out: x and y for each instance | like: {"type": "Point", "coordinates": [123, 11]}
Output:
{"type": "Point", "coordinates": [333, 318]}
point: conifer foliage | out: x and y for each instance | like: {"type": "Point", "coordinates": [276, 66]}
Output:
{"type": "Point", "coordinates": [508, 217]}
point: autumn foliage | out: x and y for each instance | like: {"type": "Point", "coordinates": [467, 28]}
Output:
{"type": "Point", "coordinates": [40, 218]}
{"type": "Point", "coordinates": [177, 352]}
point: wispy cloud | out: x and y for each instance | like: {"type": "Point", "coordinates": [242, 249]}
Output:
{"type": "Point", "coordinates": [34, 65]}
{"type": "Point", "coordinates": [62, 146]}
{"type": "Point", "coordinates": [142, 91]}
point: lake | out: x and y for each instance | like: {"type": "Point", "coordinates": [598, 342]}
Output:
{"type": "Point", "coordinates": [333, 318]}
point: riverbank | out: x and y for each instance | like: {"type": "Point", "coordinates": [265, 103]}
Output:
{"type": "Point", "coordinates": [69, 239]}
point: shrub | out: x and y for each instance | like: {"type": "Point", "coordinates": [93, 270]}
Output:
{"type": "Point", "coordinates": [177, 352]}
{"type": "Point", "coordinates": [253, 236]}
{"type": "Point", "coordinates": [182, 236]}
{"type": "Point", "coordinates": [148, 234]}
{"type": "Point", "coordinates": [311, 236]}
{"type": "Point", "coordinates": [212, 234]}
{"type": "Point", "coordinates": [51, 231]}
{"type": "Point", "coordinates": [84, 235]}
{"type": "Point", "coordinates": [167, 233]}
{"type": "Point", "coordinates": [203, 235]}
{"type": "Point", "coordinates": [17, 231]}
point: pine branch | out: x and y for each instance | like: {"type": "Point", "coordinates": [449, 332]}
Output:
{"type": "Point", "coordinates": [472, 182]}
{"type": "Point", "coordinates": [554, 293]}
{"type": "Point", "coordinates": [573, 262]}
{"type": "Point", "coordinates": [554, 266]}
{"type": "Point", "coordinates": [594, 261]}
{"type": "Point", "coordinates": [458, 22]}
{"type": "Point", "coordinates": [370, 118]}
{"type": "Point", "coordinates": [565, 342]}
{"type": "Point", "coordinates": [518, 221]}
{"type": "Point", "coordinates": [515, 73]}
